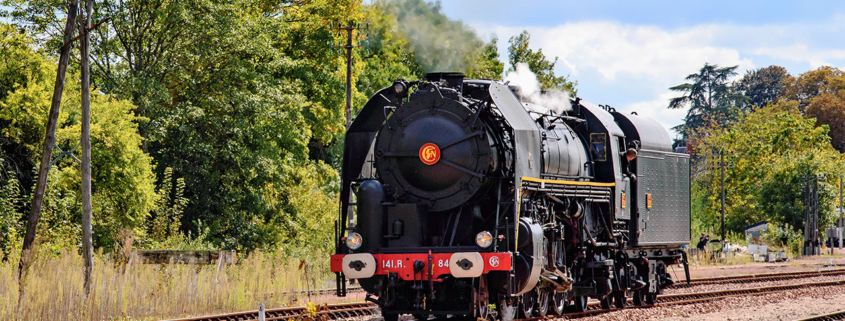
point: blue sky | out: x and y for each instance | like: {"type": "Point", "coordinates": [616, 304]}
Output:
{"type": "Point", "coordinates": [628, 53]}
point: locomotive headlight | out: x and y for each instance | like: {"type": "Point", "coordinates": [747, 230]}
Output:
{"type": "Point", "coordinates": [354, 240]}
{"type": "Point", "coordinates": [484, 239]}
{"type": "Point", "coordinates": [400, 87]}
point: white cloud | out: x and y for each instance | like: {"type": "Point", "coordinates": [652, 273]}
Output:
{"type": "Point", "coordinates": [613, 58]}
{"type": "Point", "coordinates": [802, 53]}
{"type": "Point", "coordinates": [654, 58]}
{"type": "Point", "coordinates": [613, 48]}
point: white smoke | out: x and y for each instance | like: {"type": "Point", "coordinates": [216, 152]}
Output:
{"type": "Point", "coordinates": [529, 89]}
{"type": "Point", "coordinates": [438, 43]}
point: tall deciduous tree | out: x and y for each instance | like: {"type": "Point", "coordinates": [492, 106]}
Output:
{"type": "Point", "coordinates": [708, 96]}
{"type": "Point", "coordinates": [819, 95]}
{"type": "Point", "coordinates": [762, 86]}
{"type": "Point", "coordinates": [520, 52]}
{"type": "Point", "coordinates": [805, 87]}
{"type": "Point", "coordinates": [829, 109]}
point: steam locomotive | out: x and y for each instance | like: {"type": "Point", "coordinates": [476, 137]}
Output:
{"type": "Point", "coordinates": [466, 198]}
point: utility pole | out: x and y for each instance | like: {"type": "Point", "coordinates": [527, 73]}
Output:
{"type": "Point", "coordinates": [806, 250]}
{"type": "Point", "coordinates": [811, 215]}
{"type": "Point", "coordinates": [87, 242]}
{"type": "Point", "coordinates": [722, 170]}
{"type": "Point", "coordinates": [349, 46]}
{"type": "Point", "coordinates": [815, 230]}
{"type": "Point", "coordinates": [841, 220]}
{"type": "Point", "coordinates": [49, 142]}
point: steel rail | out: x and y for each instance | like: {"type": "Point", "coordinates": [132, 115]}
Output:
{"type": "Point", "coordinates": [594, 308]}
{"type": "Point", "coordinates": [330, 311]}
{"type": "Point", "coordinates": [827, 317]}
{"type": "Point", "coordinates": [352, 289]}
{"type": "Point", "coordinates": [689, 298]}
{"type": "Point", "coordinates": [757, 277]}
{"type": "Point", "coordinates": [746, 278]}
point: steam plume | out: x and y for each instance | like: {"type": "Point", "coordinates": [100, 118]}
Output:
{"type": "Point", "coordinates": [530, 90]}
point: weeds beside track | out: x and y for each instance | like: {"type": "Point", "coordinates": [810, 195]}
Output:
{"type": "Point", "coordinates": [331, 311]}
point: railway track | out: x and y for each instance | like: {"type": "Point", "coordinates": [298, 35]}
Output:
{"type": "Point", "coordinates": [758, 277]}
{"type": "Point", "coordinates": [734, 279]}
{"type": "Point", "coordinates": [325, 312]}
{"type": "Point", "coordinates": [827, 317]}
{"type": "Point", "coordinates": [351, 289]}
{"type": "Point", "coordinates": [365, 308]}
{"type": "Point", "coordinates": [688, 298]}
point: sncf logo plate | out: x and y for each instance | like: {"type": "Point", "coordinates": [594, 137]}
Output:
{"type": "Point", "coordinates": [429, 154]}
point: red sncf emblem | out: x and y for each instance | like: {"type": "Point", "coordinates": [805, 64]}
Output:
{"type": "Point", "coordinates": [429, 154]}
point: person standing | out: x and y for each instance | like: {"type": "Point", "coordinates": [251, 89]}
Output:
{"type": "Point", "coordinates": [702, 243]}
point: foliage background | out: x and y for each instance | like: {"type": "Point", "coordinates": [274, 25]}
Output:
{"type": "Point", "coordinates": [220, 124]}
{"type": "Point", "coordinates": [772, 131]}
{"type": "Point", "coordinates": [215, 124]}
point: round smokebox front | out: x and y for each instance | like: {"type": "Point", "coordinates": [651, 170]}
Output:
{"type": "Point", "coordinates": [427, 153]}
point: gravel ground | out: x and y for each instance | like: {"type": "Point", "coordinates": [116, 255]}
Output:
{"type": "Point", "coordinates": [789, 305]}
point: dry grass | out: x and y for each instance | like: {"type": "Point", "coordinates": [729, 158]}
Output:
{"type": "Point", "coordinates": [53, 288]}
{"type": "Point", "coordinates": [725, 259]}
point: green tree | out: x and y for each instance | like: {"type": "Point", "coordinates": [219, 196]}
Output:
{"type": "Point", "coordinates": [805, 87]}
{"type": "Point", "coordinates": [488, 65]}
{"type": "Point", "coordinates": [229, 94]}
{"type": "Point", "coordinates": [390, 56]}
{"type": "Point", "coordinates": [122, 176]}
{"type": "Point", "coordinates": [19, 67]}
{"type": "Point", "coordinates": [519, 52]}
{"type": "Point", "coordinates": [11, 199]}
{"type": "Point", "coordinates": [766, 152]}
{"type": "Point", "coordinates": [708, 96]}
{"type": "Point", "coordinates": [762, 86]}
{"type": "Point", "coordinates": [819, 95]}
{"type": "Point", "coordinates": [829, 110]}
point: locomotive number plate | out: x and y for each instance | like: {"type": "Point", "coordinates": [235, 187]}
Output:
{"type": "Point", "coordinates": [389, 264]}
